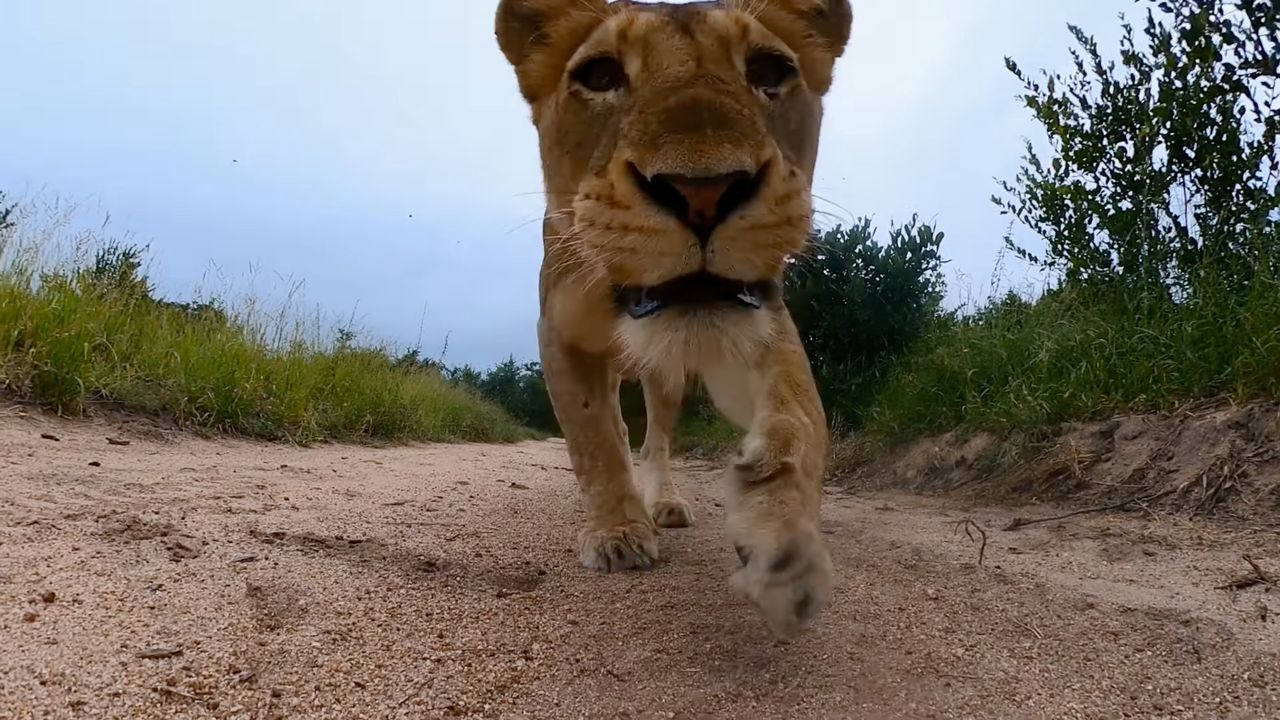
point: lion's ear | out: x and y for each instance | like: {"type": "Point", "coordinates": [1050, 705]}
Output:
{"type": "Point", "coordinates": [827, 21]}
{"type": "Point", "coordinates": [818, 30]}
{"type": "Point", "coordinates": [535, 34]}
{"type": "Point", "coordinates": [833, 23]}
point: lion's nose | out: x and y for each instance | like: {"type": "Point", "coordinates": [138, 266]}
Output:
{"type": "Point", "coordinates": [701, 203]}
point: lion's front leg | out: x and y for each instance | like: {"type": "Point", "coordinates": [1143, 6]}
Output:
{"type": "Point", "coordinates": [618, 533]}
{"type": "Point", "coordinates": [775, 484]}
{"type": "Point", "coordinates": [661, 495]}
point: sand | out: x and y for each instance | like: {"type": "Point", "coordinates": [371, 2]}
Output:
{"type": "Point", "coordinates": [179, 577]}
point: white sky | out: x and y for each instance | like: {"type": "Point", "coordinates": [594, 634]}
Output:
{"type": "Point", "coordinates": [381, 153]}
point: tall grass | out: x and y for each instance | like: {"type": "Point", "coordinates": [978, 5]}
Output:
{"type": "Point", "coordinates": [1083, 354]}
{"type": "Point", "coordinates": [84, 328]}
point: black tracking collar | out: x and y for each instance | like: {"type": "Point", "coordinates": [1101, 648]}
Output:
{"type": "Point", "coordinates": [699, 289]}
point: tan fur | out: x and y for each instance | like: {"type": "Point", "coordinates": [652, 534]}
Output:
{"type": "Point", "coordinates": [686, 110]}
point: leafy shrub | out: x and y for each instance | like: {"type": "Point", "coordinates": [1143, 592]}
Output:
{"type": "Point", "coordinates": [518, 388]}
{"type": "Point", "coordinates": [1163, 171]}
{"type": "Point", "coordinates": [859, 304]}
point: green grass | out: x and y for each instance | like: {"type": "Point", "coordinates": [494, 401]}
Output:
{"type": "Point", "coordinates": [1077, 355]}
{"type": "Point", "coordinates": [71, 337]}
{"type": "Point", "coordinates": [703, 431]}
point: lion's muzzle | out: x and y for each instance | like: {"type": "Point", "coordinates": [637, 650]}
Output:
{"type": "Point", "coordinates": [702, 203]}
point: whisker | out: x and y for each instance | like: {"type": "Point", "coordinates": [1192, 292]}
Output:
{"type": "Point", "coordinates": [851, 217]}
{"type": "Point", "coordinates": [749, 7]}
{"type": "Point", "coordinates": [591, 8]}
{"type": "Point", "coordinates": [544, 193]}
{"type": "Point", "coordinates": [548, 216]}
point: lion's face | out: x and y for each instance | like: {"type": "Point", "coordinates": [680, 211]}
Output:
{"type": "Point", "coordinates": [678, 141]}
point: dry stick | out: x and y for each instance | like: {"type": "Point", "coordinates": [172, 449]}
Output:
{"type": "Point", "coordinates": [415, 523]}
{"type": "Point", "coordinates": [1257, 578]}
{"type": "Point", "coordinates": [179, 693]}
{"type": "Point", "coordinates": [416, 692]}
{"type": "Point", "coordinates": [1210, 496]}
{"type": "Point", "coordinates": [158, 653]}
{"type": "Point", "coordinates": [969, 526]}
{"type": "Point", "coordinates": [958, 676]}
{"type": "Point", "coordinates": [1030, 628]}
{"type": "Point", "coordinates": [1258, 571]}
{"type": "Point", "coordinates": [553, 467]}
{"type": "Point", "coordinates": [1018, 523]}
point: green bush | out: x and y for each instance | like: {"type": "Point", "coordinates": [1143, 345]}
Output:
{"type": "Point", "coordinates": [1163, 170]}
{"type": "Point", "coordinates": [859, 304]}
{"type": "Point", "coordinates": [518, 388]}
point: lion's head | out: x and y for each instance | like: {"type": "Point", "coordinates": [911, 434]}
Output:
{"type": "Point", "coordinates": [678, 142]}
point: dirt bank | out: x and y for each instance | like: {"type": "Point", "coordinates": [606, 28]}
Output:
{"type": "Point", "coordinates": [1208, 460]}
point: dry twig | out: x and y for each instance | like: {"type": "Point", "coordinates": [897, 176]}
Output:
{"type": "Point", "coordinates": [1018, 523]}
{"type": "Point", "coordinates": [1257, 577]}
{"type": "Point", "coordinates": [1229, 476]}
{"type": "Point", "coordinates": [175, 691]}
{"type": "Point", "coordinates": [969, 527]}
{"type": "Point", "coordinates": [159, 653]}
{"type": "Point", "coordinates": [1258, 571]}
{"type": "Point", "coordinates": [417, 690]}
{"type": "Point", "coordinates": [1030, 628]}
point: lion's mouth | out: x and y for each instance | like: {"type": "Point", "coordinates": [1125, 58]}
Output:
{"type": "Point", "coordinates": [695, 290]}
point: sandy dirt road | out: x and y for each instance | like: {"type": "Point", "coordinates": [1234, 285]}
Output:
{"type": "Point", "coordinates": [182, 578]}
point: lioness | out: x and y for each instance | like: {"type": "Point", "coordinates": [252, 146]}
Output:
{"type": "Point", "coordinates": [678, 145]}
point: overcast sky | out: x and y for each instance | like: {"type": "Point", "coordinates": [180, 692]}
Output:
{"type": "Point", "coordinates": [380, 152]}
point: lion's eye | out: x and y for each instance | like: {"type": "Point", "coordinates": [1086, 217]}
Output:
{"type": "Point", "coordinates": [602, 74]}
{"type": "Point", "coordinates": [767, 71]}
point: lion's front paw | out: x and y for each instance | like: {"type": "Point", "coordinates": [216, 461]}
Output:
{"type": "Point", "coordinates": [786, 573]}
{"type": "Point", "coordinates": [671, 513]}
{"type": "Point", "coordinates": [768, 452]}
{"type": "Point", "coordinates": [630, 545]}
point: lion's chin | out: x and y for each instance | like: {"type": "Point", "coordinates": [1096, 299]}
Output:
{"type": "Point", "coordinates": [683, 341]}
